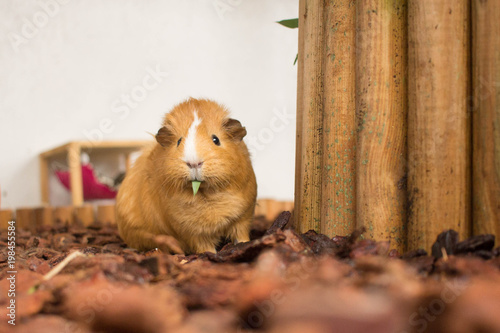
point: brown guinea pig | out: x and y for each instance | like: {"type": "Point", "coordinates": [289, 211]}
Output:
{"type": "Point", "coordinates": [198, 142]}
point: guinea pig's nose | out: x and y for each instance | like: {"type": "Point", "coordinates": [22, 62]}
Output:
{"type": "Point", "coordinates": [194, 165]}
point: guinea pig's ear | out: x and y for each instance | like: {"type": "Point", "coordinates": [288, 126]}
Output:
{"type": "Point", "coordinates": [234, 129]}
{"type": "Point", "coordinates": [164, 137]}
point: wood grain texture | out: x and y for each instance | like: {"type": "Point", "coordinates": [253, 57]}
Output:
{"type": "Point", "coordinates": [84, 215]}
{"type": "Point", "coordinates": [43, 216]}
{"type": "Point", "coordinates": [309, 116]}
{"type": "Point", "coordinates": [25, 218]}
{"type": "Point", "coordinates": [338, 202]}
{"type": "Point", "coordinates": [381, 106]}
{"type": "Point", "coordinates": [63, 214]}
{"type": "Point", "coordinates": [44, 180]}
{"type": "Point", "coordinates": [299, 123]}
{"type": "Point", "coordinates": [486, 117]}
{"type": "Point", "coordinates": [75, 174]}
{"type": "Point", "coordinates": [6, 215]}
{"type": "Point", "coordinates": [106, 214]}
{"type": "Point", "coordinates": [439, 141]}
{"type": "Point", "coordinates": [124, 146]}
{"type": "Point", "coordinates": [270, 208]}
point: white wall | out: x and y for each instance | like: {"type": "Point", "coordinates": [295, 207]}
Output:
{"type": "Point", "coordinates": [59, 80]}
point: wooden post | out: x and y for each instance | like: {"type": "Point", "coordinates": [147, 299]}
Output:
{"type": "Point", "coordinates": [6, 215]}
{"type": "Point", "coordinates": [270, 209]}
{"type": "Point", "coordinates": [439, 139]}
{"type": "Point", "coordinates": [64, 215]}
{"type": "Point", "coordinates": [84, 215]}
{"type": "Point", "coordinates": [25, 218]}
{"type": "Point", "coordinates": [44, 180]}
{"type": "Point", "coordinates": [288, 206]}
{"type": "Point", "coordinates": [261, 207]}
{"type": "Point", "coordinates": [326, 138]}
{"type": "Point", "coordinates": [338, 198]}
{"type": "Point", "coordinates": [274, 209]}
{"type": "Point", "coordinates": [486, 117]}
{"type": "Point", "coordinates": [308, 171]}
{"type": "Point", "coordinates": [106, 214]}
{"type": "Point", "coordinates": [75, 172]}
{"type": "Point", "coordinates": [381, 106]}
{"type": "Point", "coordinates": [43, 216]}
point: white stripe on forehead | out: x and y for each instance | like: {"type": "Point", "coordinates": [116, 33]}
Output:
{"type": "Point", "coordinates": [190, 154]}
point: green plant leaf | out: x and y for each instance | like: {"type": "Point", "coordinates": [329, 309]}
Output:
{"type": "Point", "coordinates": [291, 23]}
{"type": "Point", "coordinates": [196, 186]}
{"type": "Point", "coordinates": [296, 58]}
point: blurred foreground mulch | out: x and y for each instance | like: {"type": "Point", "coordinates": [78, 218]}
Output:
{"type": "Point", "coordinates": [280, 281]}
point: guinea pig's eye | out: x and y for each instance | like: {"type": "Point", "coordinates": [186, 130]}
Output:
{"type": "Point", "coordinates": [179, 142]}
{"type": "Point", "coordinates": [215, 140]}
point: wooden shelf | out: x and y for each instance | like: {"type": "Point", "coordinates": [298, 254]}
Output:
{"type": "Point", "coordinates": [73, 150]}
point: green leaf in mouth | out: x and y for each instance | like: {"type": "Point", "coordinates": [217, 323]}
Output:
{"type": "Point", "coordinates": [196, 186]}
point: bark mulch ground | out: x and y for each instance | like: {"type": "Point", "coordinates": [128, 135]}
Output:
{"type": "Point", "coordinates": [280, 281]}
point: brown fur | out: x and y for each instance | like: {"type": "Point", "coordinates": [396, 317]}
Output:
{"type": "Point", "coordinates": [156, 196]}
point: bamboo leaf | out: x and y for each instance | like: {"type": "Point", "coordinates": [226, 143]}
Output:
{"type": "Point", "coordinates": [291, 23]}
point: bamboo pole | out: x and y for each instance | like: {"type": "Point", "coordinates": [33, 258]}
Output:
{"type": "Point", "coordinates": [309, 116]}
{"type": "Point", "coordinates": [381, 106]}
{"type": "Point", "coordinates": [438, 132]}
{"type": "Point", "coordinates": [486, 117]}
{"type": "Point", "coordinates": [299, 123]}
{"type": "Point", "coordinates": [339, 119]}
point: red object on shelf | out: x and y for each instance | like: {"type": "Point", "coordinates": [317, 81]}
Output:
{"type": "Point", "coordinates": [92, 189]}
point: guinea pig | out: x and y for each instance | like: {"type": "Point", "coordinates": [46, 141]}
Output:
{"type": "Point", "coordinates": [198, 143]}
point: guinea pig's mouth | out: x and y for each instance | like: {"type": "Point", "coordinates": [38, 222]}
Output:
{"type": "Point", "coordinates": [195, 185]}
{"type": "Point", "coordinates": [195, 179]}
{"type": "Point", "coordinates": [195, 174]}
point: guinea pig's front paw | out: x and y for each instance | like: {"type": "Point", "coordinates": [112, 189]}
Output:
{"type": "Point", "coordinates": [241, 240]}
{"type": "Point", "coordinates": [208, 249]}
{"type": "Point", "coordinates": [201, 248]}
